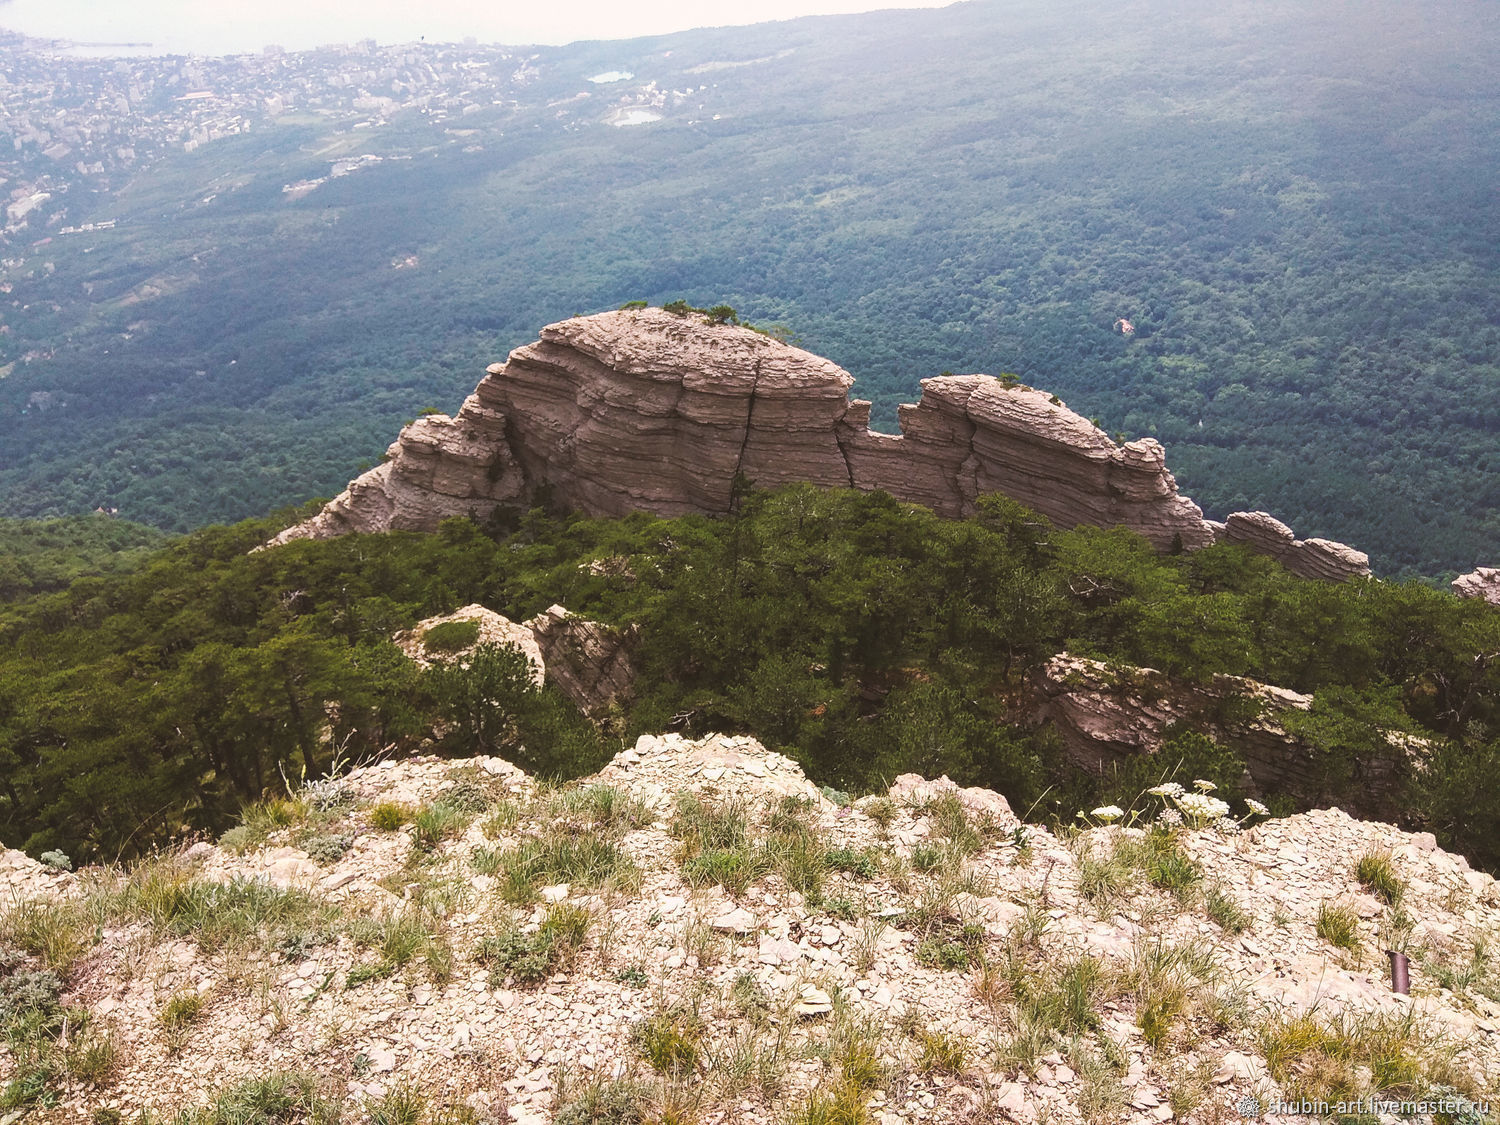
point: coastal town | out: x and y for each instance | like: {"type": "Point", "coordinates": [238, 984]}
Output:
{"type": "Point", "coordinates": [81, 125]}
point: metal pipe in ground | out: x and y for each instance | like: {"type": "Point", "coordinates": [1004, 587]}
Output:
{"type": "Point", "coordinates": [1400, 982]}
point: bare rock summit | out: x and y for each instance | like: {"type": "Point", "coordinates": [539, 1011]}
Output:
{"type": "Point", "coordinates": [548, 951]}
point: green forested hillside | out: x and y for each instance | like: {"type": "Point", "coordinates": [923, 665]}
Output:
{"type": "Point", "coordinates": [863, 637]}
{"type": "Point", "coordinates": [1291, 201]}
{"type": "Point", "coordinates": [43, 556]}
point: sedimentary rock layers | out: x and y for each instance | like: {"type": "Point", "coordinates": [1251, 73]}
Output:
{"type": "Point", "coordinates": [438, 467]}
{"type": "Point", "coordinates": [973, 434]}
{"type": "Point", "coordinates": [1311, 558]}
{"type": "Point", "coordinates": [644, 410]}
{"type": "Point", "coordinates": [647, 410]}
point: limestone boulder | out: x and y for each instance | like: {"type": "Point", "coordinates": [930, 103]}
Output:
{"type": "Point", "coordinates": [494, 628]}
{"type": "Point", "coordinates": [1481, 583]}
{"type": "Point", "coordinates": [1106, 714]}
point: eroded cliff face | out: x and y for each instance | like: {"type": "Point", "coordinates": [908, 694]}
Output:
{"type": "Point", "coordinates": [647, 410]}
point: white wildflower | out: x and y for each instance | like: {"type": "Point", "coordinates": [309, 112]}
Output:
{"type": "Point", "coordinates": [1227, 827]}
{"type": "Point", "coordinates": [1108, 813]}
{"type": "Point", "coordinates": [1201, 808]}
{"type": "Point", "coordinates": [1170, 789]}
{"type": "Point", "coordinates": [1169, 817]}
{"type": "Point", "coordinates": [1204, 786]}
{"type": "Point", "coordinates": [1256, 807]}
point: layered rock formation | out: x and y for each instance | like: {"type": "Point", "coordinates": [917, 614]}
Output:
{"type": "Point", "coordinates": [1105, 714]}
{"type": "Point", "coordinates": [974, 434]}
{"type": "Point", "coordinates": [589, 662]}
{"type": "Point", "coordinates": [1311, 558]}
{"type": "Point", "coordinates": [438, 467]}
{"type": "Point", "coordinates": [1482, 583]}
{"type": "Point", "coordinates": [647, 410]}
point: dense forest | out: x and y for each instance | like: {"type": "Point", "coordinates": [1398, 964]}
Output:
{"type": "Point", "coordinates": [1291, 203]}
{"type": "Point", "coordinates": [861, 636]}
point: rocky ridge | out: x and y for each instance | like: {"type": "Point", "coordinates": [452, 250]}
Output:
{"type": "Point", "coordinates": [647, 410]}
{"type": "Point", "coordinates": [913, 972]}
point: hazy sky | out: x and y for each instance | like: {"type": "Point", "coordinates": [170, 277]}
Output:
{"type": "Point", "coordinates": [232, 26]}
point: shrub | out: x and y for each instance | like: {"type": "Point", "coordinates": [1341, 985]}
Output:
{"type": "Point", "coordinates": [450, 636]}
{"type": "Point", "coordinates": [529, 959]}
{"type": "Point", "coordinates": [328, 849]}
{"type": "Point", "coordinates": [29, 995]}
{"type": "Point", "coordinates": [388, 816]}
{"type": "Point", "coordinates": [860, 864]}
{"type": "Point", "coordinates": [882, 810]}
{"type": "Point", "coordinates": [606, 1102]}
{"type": "Point", "coordinates": [952, 948]}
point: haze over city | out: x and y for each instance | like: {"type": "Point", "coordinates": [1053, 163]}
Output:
{"type": "Point", "coordinates": [225, 27]}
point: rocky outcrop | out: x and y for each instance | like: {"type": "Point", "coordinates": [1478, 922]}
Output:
{"type": "Point", "coordinates": [1311, 558]}
{"type": "Point", "coordinates": [974, 434]}
{"type": "Point", "coordinates": [1482, 583]}
{"type": "Point", "coordinates": [479, 1015]}
{"type": "Point", "coordinates": [589, 662]}
{"type": "Point", "coordinates": [494, 629]}
{"type": "Point", "coordinates": [438, 467]}
{"type": "Point", "coordinates": [1106, 714]}
{"type": "Point", "coordinates": [647, 410]}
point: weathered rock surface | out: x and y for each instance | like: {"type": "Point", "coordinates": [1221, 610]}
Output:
{"type": "Point", "coordinates": [645, 410]}
{"type": "Point", "coordinates": [768, 969]}
{"type": "Point", "coordinates": [1106, 714]}
{"type": "Point", "coordinates": [494, 629]}
{"type": "Point", "coordinates": [1311, 558]}
{"type": "Point", "coordinates": [1482, 583]}
{"type": "Point", "coordinates": [588, 661]}
{"type": "Point", "coordinates": [438, 467]}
